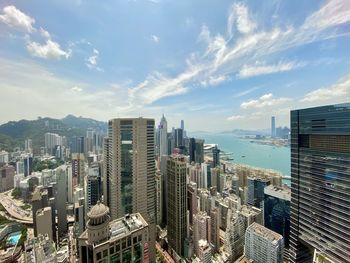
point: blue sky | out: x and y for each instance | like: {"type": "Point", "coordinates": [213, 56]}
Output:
{"type": "Point", "coordinates": [218, 65]}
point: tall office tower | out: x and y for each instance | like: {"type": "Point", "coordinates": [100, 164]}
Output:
{"type": "Point", "coordinates": [320, 162]}
{"type": "Point", "coordinates": [7, 174]}
{"type": "Point", "coordinates": [159, 197]}
{"type": "Point", "coordinates": [177, 203]}
{"type": "Point", "coordinates": [28, 146]}
{"type": "Point", "coordinates": [90, 143]}
{"type": "Point", "coordinates": [122, 240]}
{"type": "Point", "coordinates": [182, 126]}
{"type": "Point", "coordinates": [79, 217]}
{"type": "Point", "coordinates": [51, 141]}
{"type": "Point", "coordinates": [163, 171]}
{"type": "Point", "coordinates": [263, 245]}
{"type": "Point", "coordinates": [163, 137]}
{"type": "Point", "coordinates": [238, 221]}
{"type": "Point", "coordinates": [70, 189]}
{"type": "Point", "coordinates": [28, 165]}
{"type": "Point", "coordinates": [222, 183]}
{"type": "Point", "coordinates": [192, 203]}
{"type": "Point", "coordinates": [4, 157]}
{"type": "Point", "coordinates": [216, 156]}
{"type": "Point", "coordinates": [61, 200]}
{"type": "Point", "coordinates": [235, 185]}
{"type": "Point", "coordinates": [132, 174]}
{"type": "Point", "coordinates": [273, 127]}
{"type": "Point", "coordinates": [179, 139]}
{"type": "Point", "coordinates": [196, 150]}
{"type": "Point", "coordinates": [106, 171]}
{"type": "Point", "coordinates": [44, 223]}
{"type": "Point", "coordinates": [215, 228]}
{"type": "Point", "coordinates": [201, 229]}
{"type": "Point", "coordinates": [256, 188]}
{"type": "Point", "coordinates": [277, 211]}
{"type": "Point", "coordinates": [92, 190]}
{"type": "Point", "coordinates": [78, 145]}
{"type": "Point", "coordinates": [78, 169]}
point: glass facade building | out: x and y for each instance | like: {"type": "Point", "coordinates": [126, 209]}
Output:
{"type": "Point", "coordinates": [320, 169]}
{"type": "Point", "coordinates": [277, 211]}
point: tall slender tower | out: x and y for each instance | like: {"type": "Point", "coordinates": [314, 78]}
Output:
{"type": "Point", "coordinates": [163, 134]}
{"type": "Point", "coordinates": [320, 170]}
{"type": "Point", "coordinates": [273, 127]}
{"type": "Point", "coordinates": [177, 203]}
{"type": "Point", "coordinates": [129, 153]}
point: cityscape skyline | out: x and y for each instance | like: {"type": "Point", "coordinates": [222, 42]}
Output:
{"type": "Point", "coordinates": [232, 62]}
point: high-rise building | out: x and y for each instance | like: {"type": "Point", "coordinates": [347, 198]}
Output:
{"type": "Point", "coordinates": [51, 141]}
{"type": "Point", "coordinates": [216, 156]}
{"type": "Point", "coordinates": [106, 171]}
{"type": "Point", "coordinates": [28, 146]}
{"type": "Point", "coordinates": [78, 145]}
{"type": "Point", "coordinates": [7, 174]}
{"type": "Point", "coordinates": [273, 127]}
{"type": "Point", "coordinates": [177, 203]}
{"type": "Point", "coordinates": [277, 211]}
{"type": "Point", "coordinates": [320, 165]}
{"type": "Point", "coordinates": [256, 188]}
{"type": "Point", "coordinates": [92, 189]}
{"type": "Point", "coordinates": [182, 126]}
{"type": "Point", "coordinates": [179, 138]}
{"type": "Point", "coordinates": [61, 197]}
{"type": "Point", "coordinates": [215, 228]}
{"type": "Point", "coordinates": [196, 150]}
{"type": "Point", "coordinates": [132, 171]}
{"type": "Point", "coordinates": [238, 221]}
{"type": "Point", "coordinates": [163, 137]}
{"type": "Point", "coordinates": [78, 169]}
{"type": "Point", "coordinates": [192, 203]}
{"type": "Point", "coordinates": [159, 197]}
{"type": "Point", "coordinates": [263, 245]}
{"type": "Point", "coordinates": [125, 239]}
{"type": "Point", "coordinates": [204, 251]}
{"type": "Point", "coordinates": [201, 229]}
{"type": "Point", "coordinates": [44, 223]}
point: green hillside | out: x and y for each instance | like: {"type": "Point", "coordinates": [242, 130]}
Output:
{"type": "Point", "coordinates": [13, 133]}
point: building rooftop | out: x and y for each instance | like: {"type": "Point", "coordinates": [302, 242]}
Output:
{"type": "Point", "coordinates": [279, 192]}
{"type": "Point", "coordinates": [125, 225]}
{"type": "Point", "coordinates": [264, 232]}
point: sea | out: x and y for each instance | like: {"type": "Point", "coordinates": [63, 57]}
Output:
{"type": "Point", "coordinates": [249, 153]}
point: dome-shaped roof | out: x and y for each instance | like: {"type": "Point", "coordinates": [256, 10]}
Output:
{"type": "Point", "coordinates": [98, 210]}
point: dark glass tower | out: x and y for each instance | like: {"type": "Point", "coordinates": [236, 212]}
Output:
{"type": "Point", "coordinates": [320, 168]}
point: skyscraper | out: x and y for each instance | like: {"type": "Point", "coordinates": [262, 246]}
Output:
{"type": "Point", "coordinates": [163, 137]}
{"type": "Point", "coordinates": [177, 203]}
{"type": "Point", "coordinates": [196, 150]}
{"type": "Point", "coordinates": [216, 156]}
{"type": "Point", "coordinates": [256, 191]}
{"type": "Point", "coordinates": [263, 245]}
{"type": "Point", "coordinates": [277, 211]}
{"type": "Point", "coordinates": [320, 169]}
{"type": "Point", "coordinates": [273, 127]}
{"type": "Point", "coordinates": [130, 157]}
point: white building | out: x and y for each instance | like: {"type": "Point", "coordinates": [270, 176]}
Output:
{"type": "Point", "coordinates": [263, 245]}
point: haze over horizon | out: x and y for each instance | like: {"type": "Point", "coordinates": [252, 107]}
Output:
{"type": "Point", "coordinates": [231, 68]}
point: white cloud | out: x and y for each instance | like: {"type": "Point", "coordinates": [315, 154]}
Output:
{"type": "Point", "coordinates": [45, 33]}
{"type": "Point", "coordinates": [13, 17]}
{"type": "Point", "coordinates": [267, 100]}
{"type": "Point", "coordinates": [256, 70]}
{"type": "Point", "coordinates": [91, 62]}
{"type": "Point", "coordinates": [77, 89]}
{"type": "Point", "coordinates": [155, 39]}
{"type": "Point", "coordinates": [340, 90]}
{"type": "Point", "coordinates": [235, 117]}
{"type": "Point", "coordinates": [50, 50]}
{"type": "Point", "coordinates": [204, 35]}
{"type": "Point", "coordinates": [246, 92]}
{"type": "Point", "coordinates": [244, 23]}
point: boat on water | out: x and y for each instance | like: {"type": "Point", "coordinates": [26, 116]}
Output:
{"type": "Point", "coordinates": [243, 156]}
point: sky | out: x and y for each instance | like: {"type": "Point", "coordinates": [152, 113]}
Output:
{"type": "Point", "coordinates": [219, 65]}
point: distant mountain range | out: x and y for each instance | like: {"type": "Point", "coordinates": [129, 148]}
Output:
{"type": "Point", "coordinates": [13, 133]}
